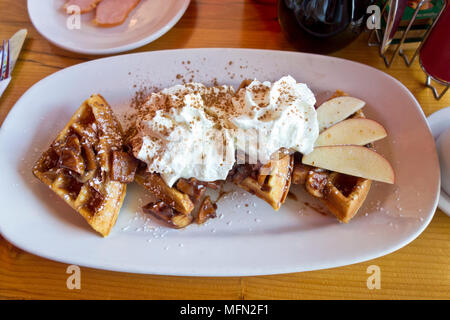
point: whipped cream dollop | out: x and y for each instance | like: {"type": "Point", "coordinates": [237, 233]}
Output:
{"type": "Point", "coordinates": [179, 139]}
{"type": "Point", "coordinates": [192, 131]}
{"type": "Point", "coordinates": [270, 117]}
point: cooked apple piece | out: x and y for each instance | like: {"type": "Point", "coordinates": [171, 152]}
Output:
{"type": "Point", "coordinates": [73, 143]}
{"type": "Point", "coordinates": [352, 160]}
{"type": "Point", "coordinates": [72, 161]}
{"type": "Point", "coordinates": [70, 157]}
{"type": "Point", "coordinates": [207, 210]}
{"type": "Point", "coordinates": [91, 163]}
{"type": "Point", "coordinates": [158, 187]}
{"type": "Point", "coordinates": [192, 187]}
{"type": "Point", "coordinates": [357, 131]}
{"type": "Point", "coordinates": [180, 221]}
{"type": "Point", "coordinates": [337, 109]}
{"type": "Point", "coordinates": [167, 214]}
{"type": "Point", "coordinates": [123, 167]}
{"type": "Point", "coordinates": [86, 132]}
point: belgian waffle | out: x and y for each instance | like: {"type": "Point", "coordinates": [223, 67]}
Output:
{"type": "Point", "coordinates": [271, 182]}
{"type": "Point", "coordinates": [86, 167]}
{"type": "Point", "coordinates": [177, 206]}
{"type": "Point", "coordinates": [342, 194]}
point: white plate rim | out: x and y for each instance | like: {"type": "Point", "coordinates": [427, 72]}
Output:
{"type": "Point", "coordinates": [113, 50]}
{"type": "Point", "coordinates": [290, 269]}
{"type": "Point", "coordinates": [434, 122]}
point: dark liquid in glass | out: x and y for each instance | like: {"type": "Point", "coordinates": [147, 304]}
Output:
{"type": "Point", "coordinates": [322, 26]}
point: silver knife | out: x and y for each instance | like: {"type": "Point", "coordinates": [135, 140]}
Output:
{"type": "Point", "coordinates": [16, 43]}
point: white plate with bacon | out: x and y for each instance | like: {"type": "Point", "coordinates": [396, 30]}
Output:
{"type": "Point", "coordinates": [104, 26]}
{"type": "Point", "coordinates": [247, 236]}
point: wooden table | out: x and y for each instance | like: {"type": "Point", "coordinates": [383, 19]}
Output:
{"type": "Point", "coordinates": [419, 270]}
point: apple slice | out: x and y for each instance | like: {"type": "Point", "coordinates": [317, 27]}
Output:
{"type": "Point", "coordinates": [336, 110]}
{"type": "Point", "coordinates": [352, 160]}
{"type": "Point", "coordinates": [357, 131]}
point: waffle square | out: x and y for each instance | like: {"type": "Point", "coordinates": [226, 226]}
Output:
{"type": "Point", "coordinates": [77, 166]}
{"type": "Point", "coordinates": [272, 182]}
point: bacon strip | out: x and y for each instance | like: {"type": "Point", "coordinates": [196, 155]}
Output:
{"type": "Point", "coordinates": [85, 5]}
{"type": "Point", "coordinates": [111, 13]}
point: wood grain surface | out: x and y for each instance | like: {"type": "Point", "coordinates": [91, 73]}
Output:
{"type": "Point", "coordinates": [419, 270]}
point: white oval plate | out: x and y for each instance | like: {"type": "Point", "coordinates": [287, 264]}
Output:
{"type": "Point", "coordinates": [248, 237]}
{"type": "Point", "coordinates": [146, 23]}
